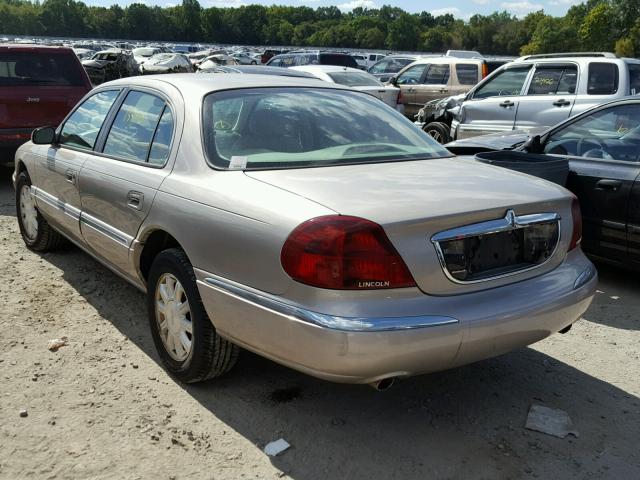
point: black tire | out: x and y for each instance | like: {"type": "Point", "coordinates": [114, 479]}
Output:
{"type": "Point", "coordinates": [253, 62]}
{"type": "Point", "coordinates": [438, 131]}
{"type": "Point", "coordinates": [46, 238]}
{"type": "Point", "coordinates": [210, 355]}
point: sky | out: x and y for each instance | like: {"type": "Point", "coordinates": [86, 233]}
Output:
{"type": "Point", "coordinates": [459, 8]}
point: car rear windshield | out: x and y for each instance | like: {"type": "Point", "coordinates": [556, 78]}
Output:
{"type": "Point", "coordinates": [270, 128]}
{"type": "Point", "coordinates": [341, 60]}
{"type": "Point", "coordinates": [355, 79]}
{"type": "Point", "coordinates": [29, 68]}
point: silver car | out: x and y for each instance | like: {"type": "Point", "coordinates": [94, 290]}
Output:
{"type": "Point", "coordinates": [306, 222]}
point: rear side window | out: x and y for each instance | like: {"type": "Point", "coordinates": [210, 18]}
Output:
{"type": "Point", "coordinates": [39, 68]}
{"type": "Point", "coordinates": [340, 60]}
{"type": "Point", "coordinates": [554, 80]}
{"type": "Point", "coordinates": [135, 127]}
{"type": "Point", "coordinates": [467, 73]}
{"type": "Point", "coordinates": [162, 139]}
{"type": "Point", "coordinates": [355, 79]}
{"type": "Point", "coordinates": [506, 83]}
{"type": "Point", "coordinates": [603, 79]}
{"type": "Point", "coordinates": [83, 126]}
{"type": "Point", "coordinates": [437, 74]}
{"type": "Point", "coordinates": [634, 79]}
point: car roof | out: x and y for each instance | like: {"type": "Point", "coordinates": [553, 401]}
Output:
{"type": "Point", "coordinates": [324, 68]}
{"type": "Point", "coordinates": [33, 47]}
{"type": "Point", "coordinates": [447, 60]}
{"type": "Point", "coordinates": [199, 85]}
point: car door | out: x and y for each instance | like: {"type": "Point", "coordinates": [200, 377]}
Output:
{"type": "Point", "coordinates": [633, 224]}
{"type": "Point", "coordinates": [118, 184]}
{"type": "Point", "coordinates": [492, 106]}
{"type": "Point", "coordinates": [549, 97]}
{"type": "Point", "coordinates": [603, 149]}
{"type": "Point", "coordinates": [408, 80]}
{"type": "Point", "coordinates": [57, 172]}
{"type": "Point", "coordinates": [435, 84]}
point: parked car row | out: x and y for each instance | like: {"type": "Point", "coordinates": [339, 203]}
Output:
{"type": "Point", "coordinates": [381, 254]}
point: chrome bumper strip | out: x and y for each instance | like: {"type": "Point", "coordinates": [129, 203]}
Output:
{"type": "Point", "coordinates": [348, 324]}
{"type": "Point", "coordinates": [56, 203]}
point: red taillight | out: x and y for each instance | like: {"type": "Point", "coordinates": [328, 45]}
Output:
{"type": "Point", "coordinates": [344, 253]}
{"type": "Point", "coordinates": [485, 70]}
{"type": "Point", "coordinates": [576, 215]}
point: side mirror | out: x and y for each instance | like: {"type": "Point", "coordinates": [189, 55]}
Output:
{"type": "Point", "coordinates": [43, 136]}
{"type": "Point", "coordinates": [533, 145]}
{"type": "Point", "coordinates": [394, 81]}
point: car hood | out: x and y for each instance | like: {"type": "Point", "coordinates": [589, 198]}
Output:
{"type": "Point", "coordinates": [493, 141]}
{"type": "Point", "coordinates": [94, 63]}
{"type": "Point", "coordinates": [394, 192]}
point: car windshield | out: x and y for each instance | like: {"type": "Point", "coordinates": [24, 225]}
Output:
{"type": "Point", "coordinates": [39, 68]}
{"type": "Point", "coordinates": [355, 79]}
{"type": "Point", "coordinates": [267, 128]}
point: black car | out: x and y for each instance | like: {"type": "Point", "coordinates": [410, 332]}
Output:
{"type": "Point", "coordinates": [293, 59]}
{"type": "Point", "coordinates": [602, 147]}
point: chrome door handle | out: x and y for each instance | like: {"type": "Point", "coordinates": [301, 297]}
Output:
{"type": "Point", "coordinates": [608, 184]}
{"type": "Point", "coordinates": [135, 200]}
{"type": "Point", "coordinates": [70, 175]}
{"type": "Point", "coordinates": [507, 104]}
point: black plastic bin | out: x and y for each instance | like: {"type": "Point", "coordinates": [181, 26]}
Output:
{"type": "Point", "coordinates": [550, 168]}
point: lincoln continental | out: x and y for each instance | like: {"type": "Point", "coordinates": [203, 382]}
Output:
{"type": "Point", "coordinates": [304, 221]}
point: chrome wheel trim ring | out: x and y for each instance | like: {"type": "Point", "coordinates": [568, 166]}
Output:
{"type": "Point", "coordinates": [173, 317]}
{"type": "Point", "coordinates": [28, 213]}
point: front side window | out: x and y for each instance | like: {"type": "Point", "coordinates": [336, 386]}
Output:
{"type": "Point", "coordinates": [438, 74]}
{"type": "Point", "coordinates": [467, 73]}
{"type": "Point", "coordinates": [83, 126]}
{"type": "Point", "coordinates": [612, 133]}
{"type": "Point", "coordinates": [270, 128]}
{"type": "Point", "coordinates": [412, 75]}
{"type": "Point", "coordinates": [134, 127]}
{"type": "Point", "coordinates": [554, 80]}
{"type": "Point", "coordinates": [603, 79]}
{"type": "Point", "coordinates": [509, 82]}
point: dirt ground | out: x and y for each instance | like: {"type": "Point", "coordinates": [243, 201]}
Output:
{"type": "Point", "coordinates": [103, 407]}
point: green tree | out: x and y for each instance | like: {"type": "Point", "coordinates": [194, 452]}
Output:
{"type": "Point", "coordinates": [404, 33]}
{"type": "Point", "coordinates": [596, 31]}
{"type": "Point", "coordinates": [625, 48]}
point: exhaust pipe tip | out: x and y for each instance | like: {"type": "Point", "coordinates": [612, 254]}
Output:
{"type": "Point", "coordinates": [383, 384]}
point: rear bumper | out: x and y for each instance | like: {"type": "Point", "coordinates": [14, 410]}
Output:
{"type": "Point", "coordinates": [432, 334]}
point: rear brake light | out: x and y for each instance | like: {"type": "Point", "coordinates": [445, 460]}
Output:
{"type": "Point", "coordinates": [576, 215]}
{"type": "Point", "coordinates": [485, 70]}
{"type": "Point", "coordinates": [344, 253]}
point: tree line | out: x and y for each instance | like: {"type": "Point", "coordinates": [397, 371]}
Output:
{"type": "Point", "coordinates": [599, 25]}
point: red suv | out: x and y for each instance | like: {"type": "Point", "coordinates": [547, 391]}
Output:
{"type": "Point", "coordinates": [38, 86]}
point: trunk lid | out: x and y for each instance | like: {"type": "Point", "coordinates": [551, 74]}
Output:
{"type": "Point", "coordinates": [413, 201]}
{"type": "Point", "coordinates": [388, 95]}
{"type": "Point", "coordinates": [31, 107]}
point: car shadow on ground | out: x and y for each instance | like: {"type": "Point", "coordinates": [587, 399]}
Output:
{"type": "Point", "coordinates": [617, 301]}
{"type": "Point", "coordinates": [455, 424]}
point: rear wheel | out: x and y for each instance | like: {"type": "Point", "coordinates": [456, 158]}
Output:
{"type": "Point", "coordinates": [438, 131]}
{"type": "Point", "coordinates": [184, 336]}
{"type": "Point", "coordinates": [36, 232]}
